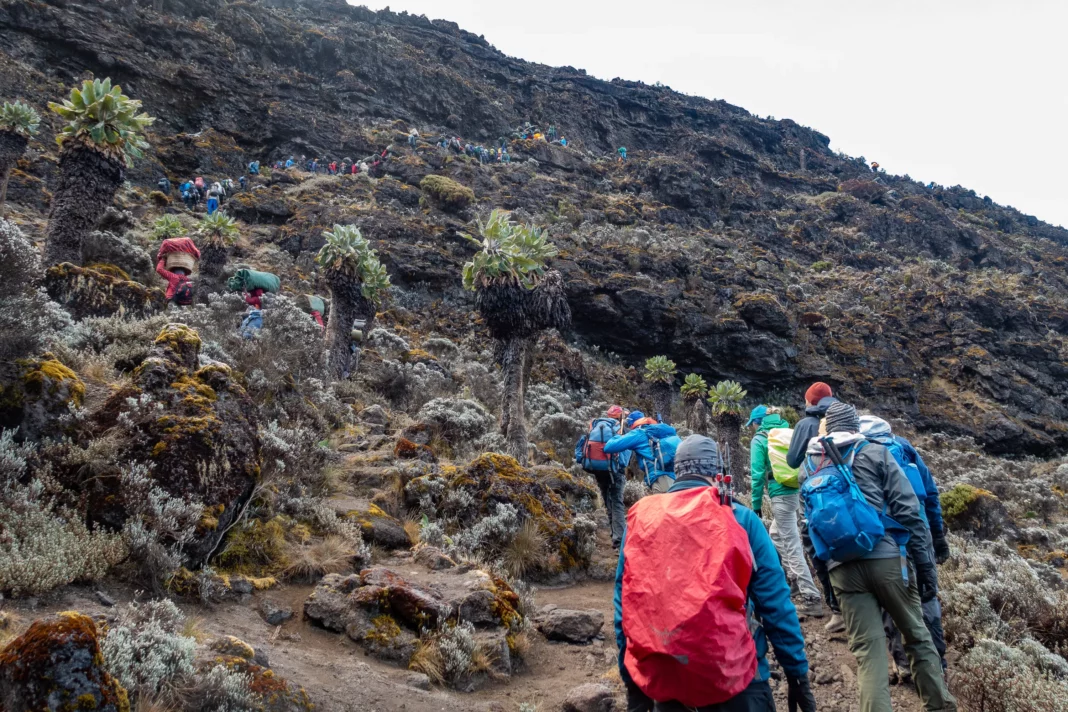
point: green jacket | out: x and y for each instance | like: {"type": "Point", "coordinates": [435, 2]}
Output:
{"type": "Point", "coordinates": [760, 465]}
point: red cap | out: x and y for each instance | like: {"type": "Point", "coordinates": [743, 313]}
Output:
{"type": "Point", "coordinates": [817, 392]}
{"type": "Point", "coordinates": [614, 411]}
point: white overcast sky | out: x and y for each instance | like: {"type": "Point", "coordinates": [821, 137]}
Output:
{"type": "Point", "coordinates": [973, 92]}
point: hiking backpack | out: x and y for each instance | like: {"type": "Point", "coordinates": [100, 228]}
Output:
{"type": "Point", "coordinates": [842, 523]}
{"type": "Point", "coordinates": [684, 601]}
{"type": "Point", "coordinates": [183, 293]}
{"type": "Point", "coordinates": [778, 446]}
{"type": "Point", "coordinates": [593, 457]}
{"type": "Point", "coordinates": [912, 472]}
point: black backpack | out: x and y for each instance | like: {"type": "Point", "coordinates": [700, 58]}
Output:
{"type": "Point", "coordinates": [183, 295]}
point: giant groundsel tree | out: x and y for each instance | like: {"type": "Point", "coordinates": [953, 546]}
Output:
{"type": "Point", "coordinates": [518, 298]}
{"type": "Point", "coordinates": [18, 122]}
{"type": "Point", "coordinates": [102, 137]}
{"type": "Point", "coordinates": [358, 283]}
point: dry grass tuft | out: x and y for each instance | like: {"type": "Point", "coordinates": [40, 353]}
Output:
{"type": "Point", "coordinates": [526, 552]}
{"type": "Point", "coordinates": [308, 562]}
{"type": "Point", "coordinates": [413, 526]}
{"type": "Point", "coordinates": [427, 660]}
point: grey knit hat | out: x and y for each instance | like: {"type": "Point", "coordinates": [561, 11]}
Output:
{"type": "Point", "coordinates": [842, 418]}
{"type": "Point", "coordinates": [697, 455]}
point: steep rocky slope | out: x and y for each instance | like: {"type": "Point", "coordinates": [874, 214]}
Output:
{"type": "Point", "coordinates": [712, 244]}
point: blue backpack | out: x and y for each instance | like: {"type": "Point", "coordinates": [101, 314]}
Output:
{"type": "Point", "coordinates": [912, 472]}
{"type": "Point", "coordinates": [252, 324]}
{"type": "Point", "coordinates": [842, 523]}
{"type": "Point", "coordinates": [590, 449]}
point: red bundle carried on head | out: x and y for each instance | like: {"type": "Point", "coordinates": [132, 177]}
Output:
{"type": "Point", "coordinates": [178, 244]}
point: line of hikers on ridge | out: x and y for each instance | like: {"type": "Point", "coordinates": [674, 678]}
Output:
{"type": "Point", "coordinates": [197, 190]}
{"type": "Point", "coordinates": [842, 488]}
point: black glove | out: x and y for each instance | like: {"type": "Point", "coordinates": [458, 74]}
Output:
{"type": "Point", "coordinates": [799, 695]}
{"type": "Point", "coordinates": [927, 581]}
{"type": "Point", "coordinates": [941, 547]}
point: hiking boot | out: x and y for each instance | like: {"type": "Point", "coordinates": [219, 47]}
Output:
{"type": "Point", "coordinates": [811, 608]}
{"type": "Point", "coordinates": [836, 624]}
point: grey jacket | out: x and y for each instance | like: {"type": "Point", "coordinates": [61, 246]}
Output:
{"type": "Point", "coordinates": [883, 482]}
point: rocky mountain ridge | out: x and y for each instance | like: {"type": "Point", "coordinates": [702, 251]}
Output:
{"type": "Point", "coordinates": [711, 244]}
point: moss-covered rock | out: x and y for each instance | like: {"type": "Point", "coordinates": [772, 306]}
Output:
{"type": "Point", "coordinates": [57, 665]}
{"type": "Point", "coordinates": [384, 610]}
{"type": "Point", "coordinates": [86, 293]}
{"type": "Point", "coordinates": [447, 193]}
{"type": "Point", "coordinates": [971, 510]}
{"type": "Point", "coordinates": [44, 391]}
{"type": "Point", "coordinates": [198, 431]}
{"type": "Point", "coordinates": [380, 528]}
{"type": "Point", "coordinates": [405, 449]}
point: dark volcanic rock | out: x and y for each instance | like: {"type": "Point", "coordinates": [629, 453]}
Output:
{"type": "Point", "coordinates": [570, 626]}
{"type": "Point", "coordinates": [935, 305]}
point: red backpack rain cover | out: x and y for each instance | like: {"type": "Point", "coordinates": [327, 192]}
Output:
{"type": "Point", "coordinates": [686, 571]}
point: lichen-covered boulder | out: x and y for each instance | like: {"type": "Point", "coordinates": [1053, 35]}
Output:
{"type": "Point", "coordinates": [195, 425]}
{"type": "Point", "coordinates": [57, 665]}
{"type": "Point", "coordinates": [385, 611]}
{"type": "Point", "coordinates": [86, 292]}
{"type": "Point", "coordinates": [380, 528]}
{"type": "Point", "coordinates": [43, 392]}
{"type": "Point", "coordinates": [971, 510]}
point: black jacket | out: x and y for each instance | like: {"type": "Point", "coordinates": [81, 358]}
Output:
{"type": "Point", "coordinates": [806, 429]}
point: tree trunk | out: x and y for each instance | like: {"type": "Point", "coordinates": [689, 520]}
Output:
{"type": "Point", "coordinates": [347, 305]}
{"type": "Point", "coordinates": [697, 416]}
{"type": "Point", "coordinates": [662, 397]}
{"type": "Point", "coordinates": [212, 272]}
{"type": "Point", "coordinates": [87, 182]}
{"type": "Point", "coordinates": [343, 315]}
{"type": "Point", "coordinates": [735, 461]}
{"type": "Point", "coordinates": [513, 362]}
{"type": "Point", "coordinates": [12, 146]}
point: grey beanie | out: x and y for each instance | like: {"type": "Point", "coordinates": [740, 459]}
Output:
{"type": "Point", "coordinates": [697, 455]}
{"type": "Point", "coordinates": [842, 418]}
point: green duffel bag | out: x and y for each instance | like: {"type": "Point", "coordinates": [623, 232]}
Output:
{"type": "Point", "coordinates": [245, 280]}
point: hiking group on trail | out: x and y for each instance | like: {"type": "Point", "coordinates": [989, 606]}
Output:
{"type": "Point", "coordinates": [848, 499]}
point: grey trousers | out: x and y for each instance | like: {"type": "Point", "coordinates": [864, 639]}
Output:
{"type": "Point", "coordinates": [611, 485]}
{"type": "Point", "coordinates": [786, 537]}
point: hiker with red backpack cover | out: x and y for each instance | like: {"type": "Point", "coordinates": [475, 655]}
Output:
{"type": "Point", "coordinates": [609, 470]}
{"type": "Point", "coordinates": [699, 593]}
{"type": "Point", "coordinates": [864, 520]}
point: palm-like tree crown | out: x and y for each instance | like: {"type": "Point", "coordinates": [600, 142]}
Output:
{"type": "Point", "coordinates": [166, 227]}
{"type": "Point", "coordinates": [694, 387]}
{"type": "Point", "coordinates": [509, 254]}
{"type": "Point", "coordinates": [726, 398]}
{"type": "Point", "coordinates": [19, 118]}
{"type": "Point", "coordinates": [348, 254]}
{"type": "Point", "coordinates": [659, 369]}
{"type": "Point", "coordinates": [101, 117]}
{"type": "Point", "coordinates": [218, 229]}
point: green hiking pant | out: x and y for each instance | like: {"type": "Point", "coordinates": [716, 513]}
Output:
{"type": "Point", "coordinates": [865, 588]}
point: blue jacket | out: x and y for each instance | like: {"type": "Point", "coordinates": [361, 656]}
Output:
{"type": "Point", "coordinates": [637, 441]}
{"type": "Point", "coordinates": [769, 598]}
{"type": "Point", "coordinates": [932, 504]}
